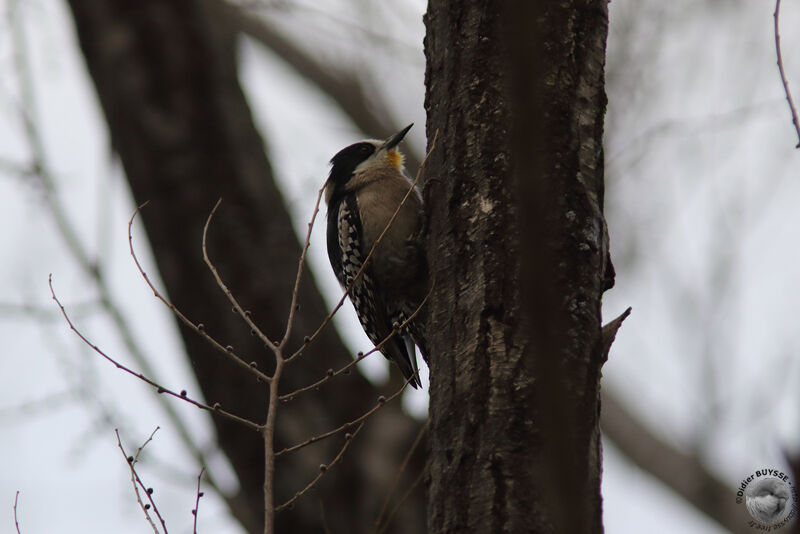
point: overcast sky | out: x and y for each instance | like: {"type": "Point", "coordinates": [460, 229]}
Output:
{"type": "Point", "coordinates": [702, 195]}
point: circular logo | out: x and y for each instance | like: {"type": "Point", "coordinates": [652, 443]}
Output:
{"type": "Point", "coordinates": [769, 497]}
{"type": "Point", "coordinates": [767, 500]}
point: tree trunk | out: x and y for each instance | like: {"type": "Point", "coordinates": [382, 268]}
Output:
{"type": "Point", "coordinates": [166, 78]}
{"type": "Point", "coordinates": [519, 255]}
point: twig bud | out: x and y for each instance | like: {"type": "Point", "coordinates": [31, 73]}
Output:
{"type": "Point", "coordinates": [201, 327]}
{"type": "Point", "coordinates": [229, 348]}
{"type": "Point", "coordinates": [381, 399]}
{"type": "Point", "coordinates": [253, 364]}
{"type": "Point", "coordinates": [323, 468]}
{"type": "Point", "coordinates": [130, 459]}
{"type": "Point", "coordinates": [183, 393]}
{"type": "Point", "coordinates": [149, 491]}
{"type": "Point", "coordinates": [348, 435]}
{"type": "Point", "coordinates": [146, 506]}
{"type": "Point", "coordinates": [247, 313]}
{"type": "Point", "coordinates": [216, 406]}
{"type": "Point", "coordinates": [329, 372]}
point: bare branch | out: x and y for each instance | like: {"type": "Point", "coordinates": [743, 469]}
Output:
{"type": "Point", "coordinates": [342, 87]}
{"type": "Point", "coordinates": [300, 263]}
{"type": "Point", "coordinates": [159, 388]}
{"type": "Point", "coordinates": [393, 487]}
{"type": "Point", "coordinates": [39, 168]}
{"type": "Point", "coordinates": [785, 83]}
{"type": "Point", "coordinates": [382, 401]}
{"type": "Point", "coordinates": [198, 328]}
{"type": "Point", "coordinates": [137, 482]}
{"type": "Point", "coordinates": [609, 332]}
{"type": "Point", "coordinates": [330, 374]}
{"type": "Point", "coordinates": [684, 473]}
{"type": "Point", "coordinates": [244, 314]}
{"type": "Point", "coordinates": [16, 521]}
{"type": "Point", "coordinates": [197, 500]}
{"type": "Point", "coordinates": [323, 469]}
{"type": "Point", "coordinates": [403, 499]}
{"type": "Point", "coordinates": [269, 445]}
{"type": "Point", "coordinates": [268, 428]}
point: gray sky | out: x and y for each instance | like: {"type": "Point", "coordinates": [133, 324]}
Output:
{"type": "Point", "coordinates": [702, 204]}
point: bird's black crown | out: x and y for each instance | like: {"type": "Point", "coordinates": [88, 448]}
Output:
{"type": "Point", "coordinates": [344, 163]}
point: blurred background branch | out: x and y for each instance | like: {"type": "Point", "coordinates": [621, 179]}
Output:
{"type": "Point", "coordinates": [697, 188]}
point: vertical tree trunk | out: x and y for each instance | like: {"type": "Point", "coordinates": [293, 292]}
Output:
{"type": "Point", "coordinates": [519, 255]}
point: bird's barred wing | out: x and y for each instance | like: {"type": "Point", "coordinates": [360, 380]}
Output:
{"type": "Point", "coordinates": [362, 294]}
{"type": "Point", "coordinates": [371, 309]}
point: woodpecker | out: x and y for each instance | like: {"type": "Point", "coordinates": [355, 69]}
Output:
{"type": "Point", "coordinates": [367, 183]}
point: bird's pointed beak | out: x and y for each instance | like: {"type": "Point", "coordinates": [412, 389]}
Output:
{"type": "Point", "coordinates": [394, 140]}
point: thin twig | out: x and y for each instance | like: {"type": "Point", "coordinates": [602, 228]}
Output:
{"type": "Point", "coordinates": [329, 375]}
{"type": "Point", "coordinates": [245, 315]}
{"type": "Point", "coordinates": [323, 469]}
{"type": "Point", "coordinates": [197, 500]}
{"type": "Point", "coordinates": [300, 263]}
{"type": "Point", "coordinates": [159, 388]}
{"type": "Point", "coordinates": [382, 401]}
{"type": "Point", "coordinates": [361, 355]}
{"type": "Point", "coordinates": [325, 528]}
{"type": "Point", "coordinates": [348, 90]}
{"type": "Point", "coordinates": [785, 83]}
{"type": "Point", "coordinates": [137, 482]}
{"type": "Point", "coordinates": [400, 471]}
{"type": "Point", "coordinates": [268, 428]}
{"type": "Point", "coordinates": [369, 255]}
{"type": "Point", "coordinates": [403, 499]}
{"type": "Point", "coordinates": [197, 328]}
{"type": "Point", "coordinates": [16, 521]}
{"type": "Point", "coordinates": [39, 168]}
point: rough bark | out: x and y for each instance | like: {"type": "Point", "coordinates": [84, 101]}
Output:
{"type": "Point", "coordinates": [519, 252]}
{"type": "Point", "coordinates": [165, 74]}
{"type": "Point", "coordinates": [367, 114]}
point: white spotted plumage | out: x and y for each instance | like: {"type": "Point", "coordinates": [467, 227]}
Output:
{"type": "Point", "coordinates": [362, 291]}
{"type": "Point", "coordinates": [369, 206]}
